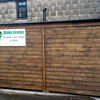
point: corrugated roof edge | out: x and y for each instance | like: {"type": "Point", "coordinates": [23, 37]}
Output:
{"type": "Point", "coordinates": [45, 22]}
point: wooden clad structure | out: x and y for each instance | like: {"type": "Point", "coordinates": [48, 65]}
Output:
{"type": "Point", "coordinates": [58, 57]}
{"type": "Point", "coordinates": [21, 67]}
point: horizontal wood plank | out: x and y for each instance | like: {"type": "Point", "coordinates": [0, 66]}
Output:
{"type": "Point", "coordinates": [72, 59]}
{"type": "Point", "coordinates": [21, 67]}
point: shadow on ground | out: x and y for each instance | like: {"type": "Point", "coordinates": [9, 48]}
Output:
{"type": "Point", "coordinates": [39, 97]}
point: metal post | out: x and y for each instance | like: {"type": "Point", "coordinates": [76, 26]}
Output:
{"type": "Point", "coordinates": [44, 14]}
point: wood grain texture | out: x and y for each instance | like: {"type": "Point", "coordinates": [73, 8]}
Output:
{"type": "Point", "coordinates": [21, 67]}
{"type": "Point", "coordinates": [73, 59]}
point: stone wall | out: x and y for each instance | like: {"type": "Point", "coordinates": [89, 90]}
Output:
{"type": "Point", "coordinates": [64, 9]}
{"type": "Point", "coordinates": [7, 12]}
{"type": "Point", "coordinates": [56, 10]}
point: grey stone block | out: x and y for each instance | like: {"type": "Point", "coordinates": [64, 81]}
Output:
{"type": "Point", "coordinates": [1, 12]}
{"type": "Point", "coordinates": [63, 7]}
{"type": "Point", "coordinates": [59, 7]}
{"type": "Point", "coordinates": [93, 5]}
{"type": "Point", "coordinates": [53, 3]}
{"type": "Point", "coordinates": [86, 6]}
{"type": "Point", "coordinates": [39, 14]}
{"type": "Point", "coordinates": [2, 7]}
{"type": "Point", "coordinates": [91, 1]}
{"type": "Point", "coordinates": [83, 1]}
{"type": "Point", "coordinates": [66, 17]}
{"type": "Point", "coordinates": [47, 13]}
{"type": "Point", "coordinates": [29, 10]}
{"type": "Point", "coordinates": [70, 7]}
{"type": "Point", "coordinates": [33, 14]}
{"type": "Point", "coordinates": [56, 8]}
{"type": "Point", "coordinates": [6, 12]}
{"type": "Point", "coordinates": [11, 16]}
{"type": "Point", "coordinates": [3, 16]}
{"type": "Point", "coordinates": [98, 10]}
{"type": "Point", "coordinates": [67, 12]}
{"type": "Point", "coordinates": [82, 11]}
{"type": "Point", "coordinates": [35, 19]}
{"type": "Point", "coordinates": [8, 16]}
{"type": "Point", "coordinates": [11, 11]}
{"type": "Point", "coordinates": [91, 11]}
{"type": "Point", "coordinates": [30, 15]}
{"type": "Point", "coordinates": [39, 4]}
{"type": "Point", "coordinates": [45, 4]}
{"type": "Point", "coordinates": [78, 6]}
{"type": "Point", "coordinates": [32, 10]}
{"type": "Point", "coordinates": [50, 8]}
{"type": "Point", "coordinates": [36, 9]}
{"type": "Point", "coordinates": [53, 13]}
{"type": "Point", "coordinates": [98, 5]}
{"type": "Point", "coordinates": [59, 2]}
{"type": "Point", "coordinates": [9, 6]}
{"type": "Point", "coordinates": [74, 1]}
{"type": "Point", "coordinates": [68, 2]}
{"type": "Point", "coordinates": [60, 13]}
{"type": "Point", "coordinates": [75, 12]}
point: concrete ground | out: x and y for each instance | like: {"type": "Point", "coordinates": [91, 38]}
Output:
{"type": "Point", "coordinates": [40, 97]}
{"type": "Point", "coordinates": [27, 95]}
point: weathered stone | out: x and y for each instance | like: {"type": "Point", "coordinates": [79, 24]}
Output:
{"type": "Point", "coordinates": [67, 2]}
{"type": "Point", "coordinates": [91, 1]}
{"type": "Point", "coordinates": [91, 11]}
{"type": "Point", "coordinates": [78, 6]}
{"type": "Point", "coordinates": [29, 9]}
{"type": "Point", "coordinates": [60, 13]}
{"type": "Point", "coordinates": [75, 12]}
{"type": "Point", "coordinates": [59, 2]}
{"type": "Point", "coordinates": [93, 5]}
{"type": "Point", "coordinates": [6, 12]}
{"type": "Point", "coordinates": [83, 11]}
{"type": "Point", "coordinates": [67, 12]}
{"type": "Point", "coordinates": [56, 10]}
{"type": "Point", "coordinates": [83, 1]}
{"type": "Point", "coordinates": [53, 13]}
{"type": "Point", "coordinates": [70, 7]}
{"type": "Point", "coordinates": [39, 4]}
{"type": "Point", "coordinates": [45, 4]}
{"type": "Point", "coordinates": [74, 1]}
{"type": "Point", "coordinates": [86, 5]}
{"type": "Point", "coordinates": [53, 3]}
{"type": "Point", "coordinates": [98, 10]}
{"type": "Point", "coordinates": [36, 9]}
{"type": "Point", "coordinates": [39, 14]}
{"type": "Point", "coordinates": [1, 12]}
{"type": "Point", "coordinates": [33, 14]}
{"type": "Point", "coordinates": [9, 7]}
{"type": "Point", "coordinates": [11, 11]}
{"type": "Point", "coordinates": [63, 7]}
{"type": "Point", "coordinates": [3, 16]}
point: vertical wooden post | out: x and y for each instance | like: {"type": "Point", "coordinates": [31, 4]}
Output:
{"type": "Point", "coordinates": [44, 81]}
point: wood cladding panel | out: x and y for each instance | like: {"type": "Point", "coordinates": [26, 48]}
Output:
{"type": "Point", "coordinates": [73, 59]}
{"type": "Point", "coordinates": [21, 67]}
{"type": "Point", "coordinates": [72, 56]}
